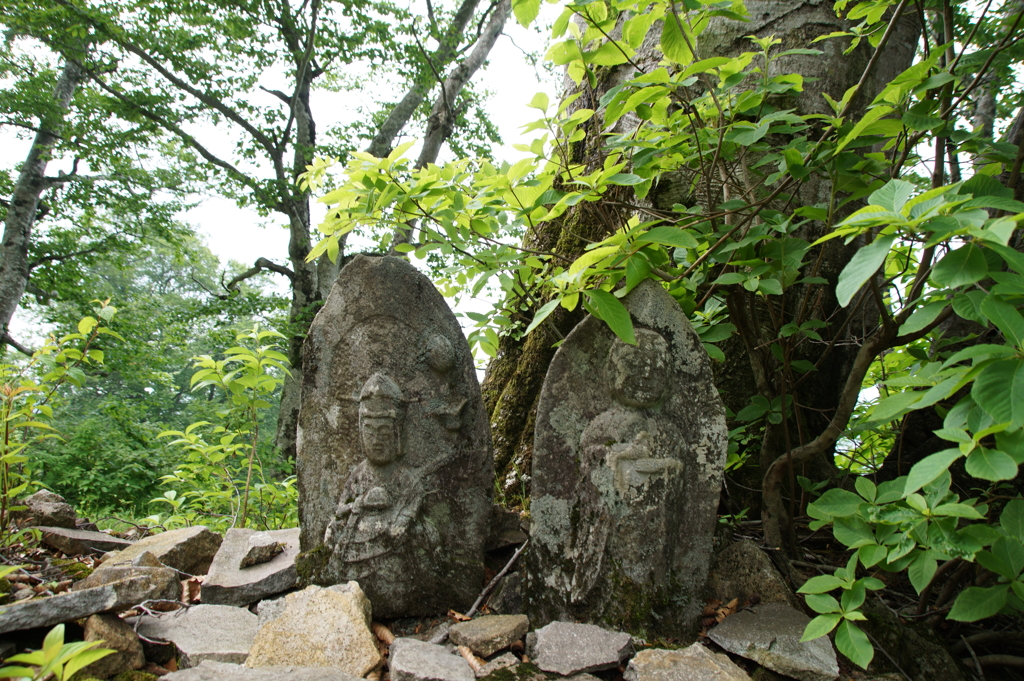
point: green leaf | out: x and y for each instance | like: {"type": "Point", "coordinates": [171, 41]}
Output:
{"type": "Point", "coordinates": [526, 11]}
{"type": "Point", "coordinates": [854, 643]}
{"type": "Point", "coordinates": [871, 554]}
{"type": "Point", "coordinates": [86, 325]}
{"type": "Point", "coordinates": [625, 179]}
{"type": "Point", "coordinates": [748, 135]}
{"type": "Point", "coordinates": [893, 195]}
{"type": "Point", "coordinates": [922, 317]}
{"type": "Point", "coordinates": [976, 603]}
{"type": "Point", "coordinates": [1006, 318]}
{"type": "Point", "coordinates": [929, 468]}
{"type": "Point", "coordinates": [870, 117]}
{"type": "Point", "coordinates": [990, 464]}
{"type": "Point", "coordinates": [542, 314]}
{"type": "Point", "coordinates": [673, 44]}
{"type": "Point", "coordinates": [822, 603]}
{"type": "Point", "coordinates": [894, 405]}
{"type": "Point", "coordinates": [865, 488]}
{"type": "Point", "coordinates": [999, 390]}
{"type": "Point", "coordinates": [921, 570]}
{"type": "Point", "coordinates": [837, 503]}
{"type": "Point", "coordinates": [84, 659]}
{"type": "Point", "coordinates": [820, 584]}
{"type": "Point", "coordinates": [611, 310]}
{"type": "Point", "coordinates": [1012, 519]}
{"type": "Point", "coordinates": [638, 267]}
{"type": "Point", "coordinates": [862, 266]}
{"type": "Point", "coordinates": [668, 236]}
{"type": "Point", "coordinates": [820, 626]}
{"type": "Point", "coordinates": [963, 266]}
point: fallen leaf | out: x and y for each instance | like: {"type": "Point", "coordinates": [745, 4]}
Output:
{"type": "Point", "coordinates": [457, 616]}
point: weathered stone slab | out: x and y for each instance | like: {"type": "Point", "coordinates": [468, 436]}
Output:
{"type": "Point", "coordinates": [487, 635]}
{"type": "Point", "coordinates": [189, 550]}
{"type": "Point", "coordinates": [117, 635]}
{"type": "Point", "coordinates": [695, 663]}
{"type": "Point", "coordinates": [227, 584]}
{"type": "Point", "coordinates": [319, 628]}
{"type": "Point", "coordinates": [742, 570]}
{"type": "Point", "coordinates": [501, 662]}
{"type": "Point", "coordinates": [203, 632]}
{"type": "Point", "coordinates": [567, 648]}
{"type": "Point", "coordinates": [414, 660]}
{"type": "Point", "coordinates": [394, 457]}
{"type": "Point", "coordinates": [627, 467]}
{"type": "Point", "coordinates": [47, 509]}
{"type": "Point", "coordinates": [222, 671]}
{"type": "Point", "coordinates": [259, 548]}
{"type": "Point", "coordinates": [72, 605]}
{"type": "Point", "coordinates": [78, 542]}
{"type": "Point", "coordinates": [770, 636]}
{"type": "Point", "coordinates": [163, 579]}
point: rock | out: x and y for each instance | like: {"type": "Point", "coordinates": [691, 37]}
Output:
{"type": "Point", "coordinates": [113, 597]}
{"type": "Point", "coordinates": [319, 628]}
{"type": "Point", "coordinates": [203, 632]}
{"type": "Point", "coordinates": [566, 648]}
{"type": "Point", "coordinates": [487, 635]}
{"type": "Point", "coordinates": [695, 663]}
{"type": "Point", "coordinates": [770, 636]}
{"type": "Point", "coordinates": [917, 653]}
{"type": "Point", "coordinates": [414, 660]}
{"type": "Point", "coordinates": [78, 542]}
{"type": "Point", "coordinates": [743, 570]}
{"type": "Point", "coordinates": [221, 671]}
{"type": "Point", "coordinates": [189, 550]}
{"type": "Point", "coordinates": [115, 634]}
{"type": "Point", "coordinates": [46, 509]}
{"type": "Point", "coordinates": [163, 578]}
{"type": "Point", "coordinates": [259, 548]}
{"type": "Point", "coordinates": [144, 559]}
{"type": "Point", "coordinates": [507, 598]}
{"type": "Point", "coordinates": [501, 662]}
{"type": "Point", "coordinates": [227, 584]}
{"type": "Point", "coordinates": [628, 459]}
{"type": "Point", "coordinates": [505, 529]}
{"type": "Point", "coordinates": [394, 464]}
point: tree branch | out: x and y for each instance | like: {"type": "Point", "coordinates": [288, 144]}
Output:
{"type": "Point", "coordinates": [260, 265]}
{"type": "Point", "coordinates": [7, 340]}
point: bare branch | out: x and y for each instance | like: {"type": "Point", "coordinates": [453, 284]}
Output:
{"type": "Point", "coordinates": [7, 340]}
{"type": "Point", "coordinates": [260, 265]}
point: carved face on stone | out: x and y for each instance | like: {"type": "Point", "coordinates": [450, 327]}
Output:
{"type": "Point", "coordinates": [637, 373]}
{"type": "Point", "coordinates": [380, 432]}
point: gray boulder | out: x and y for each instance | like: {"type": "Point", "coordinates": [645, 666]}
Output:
{"type": "Point", "coordinates": [415, 660]}
{"type": "Point", "coordinates": [112, 597]}
{"type": "Point", "coordinates": [47, 509]}
{"type": "Point", "coordinates": [318, 627]}
{"type": "Point", "coordinates": [770, 636]}
{"type": "Point", "coordinates": [222, 671]}
{"type": "Point", "coordinates": [393, 445]}
{"type": "Point", "coordinates": [567, 648]}
{"type": "Point", "coordinates": [229, 584]}
{"type": "Point", "coordinates": [742, 570]}
{"type": "Point", "coordinates": [80, 542]}
{"type": "Point", "coordinates": [695, 663]}
{"type": "Point", "coordinates": [203, 632]}
{"type": "Point", "coordinates": [116, 634]}
{"type": "Point", "coordinates": [487, 635]}
{"type": "Point", "coordinates": [189, 550]}
{"type": "Point", "coordinates": [628, 460]}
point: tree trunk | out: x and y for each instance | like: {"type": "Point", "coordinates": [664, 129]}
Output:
{"type": "Point", "coordinates": [24, 203]}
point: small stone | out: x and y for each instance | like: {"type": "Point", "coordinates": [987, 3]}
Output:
{"type": "Point", "coordinates": [319, 628]}
{"type": "Point", "coordinates": [189, 550]}
{"type": "Point", "coordinates": [47, 509]}
{"type": "Point", "coordinates": [79, 542]}
{"type": "Point", "coordinates": [487, 635]}
{"type": "Point", "coordinates": [259, 548]}
{"type": "Point", "coordinates": [203, 632]}
{"type": "Point", "coordinates": [228, 584]}
{"type": "Point", "coordinates": [566, 648]}
{"type": "Point", "coordinates": [695, 663]}
{"type": "Point", "coordinates": [414, 660]}
{"type": "Point", "coordinates": [501, 662]}
{"type": "Point", "coordinates": [770, 636]}
{"type": "Point", "coordinates": [742, 570]}
{"type": "Point", "coordinates": [221, 671]}
{"type": "Point", "coordinates": [118, 636]}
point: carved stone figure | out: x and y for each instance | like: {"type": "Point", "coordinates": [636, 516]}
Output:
{"type": "Point", "coordinates": [627, 467]}
{"type": "Point", "coordinates": [394, 458]}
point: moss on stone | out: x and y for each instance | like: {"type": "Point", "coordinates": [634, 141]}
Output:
{"type": "Point", "coordinates": [135, 675]}
{"type": "Point", "coordinates": [72, 568]}
{"type": "Point", "coordinates": [309, 564]}
{"type": "Point", "coordinates": [520, 672]}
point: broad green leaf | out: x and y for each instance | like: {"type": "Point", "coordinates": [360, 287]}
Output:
{"type": "Point", "coordinates": [853, 532]}
{"type": "Point", "coordinates": [865, 488]}
{"type": "Point", "coordinates": [1011, 552]}
{"type": "Point", "coordinates": [862, 266]}
{"type": "Point", "coordinates": [820, 626]}
{"type": "Point", "coordinates": [84, 659]}
{"type": "Point", "coordinates": [968, 305]}
{"type": "Point", "coordinates": [929, 468]}
{"type": "Point", "coordinates": [668, 236]}
{"type": "Point", "coordinates": [592, 258]}
{"type": "Point", "coordinates": [539, 101]}
{"type": "Point", "coordinates": [976, 603]}
{"type": "Point", "coordinates": [673, 44]}
{"type": "Point", "coordinates": [1006, 318]}
{"type": "Point", "coordinates": [820, 584]}
{"type": "Point", "coordinates": [854, 643]}
{"type": "Point", "coordinates": [542, 314]}
{"type": "Point", "coordinates": [999, 390]}
{"type": "Point", "coordinates": [822, 603]}
{"type": "Point", "coordinates": [637, 269]}
{"type": "Point", "coordinates": [894, 405]}
{"type": "Point", "coordinates": [748, 135]}
{"type": "Point", "coordinates": [1012, 519]}
{"type": "Point", "coordinates": [957, 511]}
{"type": "Point", "coordinates": [991, 464]}
{"type": "Point", "coordinates": [837, 503]}
{"type": "Point", "coordinates": [86, 325]}
{"type": "Point", "coordinates": [921, 570]}
{"type": "Point", "coordinates": [893, 195]}
{"type": "Point", "coordinates": [922, 317]}
{"type": "Point", "coordinates": [625, 179]}
{"type": "Point", "coordinates": [963, 266]}
{"type": "Point", "coordinates": [871, 554]}
{"type": "Point", "coordinates": [870, 117]}
{"type": "Point", "coordinates": [611, 310]}
{"type": "Point", "coordinates": [526, 11]}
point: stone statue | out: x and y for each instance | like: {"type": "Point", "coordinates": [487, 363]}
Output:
{"type": "Point", "coordinates": [627, 467]}
{"type": "Point", "coordinates": [394, 459]}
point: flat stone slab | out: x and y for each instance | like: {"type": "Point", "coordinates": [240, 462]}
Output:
{"type": "Point", "coordinates": [113, 597]}
{"type": "Point", "coordinates": [501, 662]}
{"type": "Point", "coordinates": [79, 542]}
{"type": "Point", "coordinates": [259, 548]}
{"type": "Point", "coordinates": [415, 660]}
{"type": "Point", "coordinates": [164, 576]}
{"type": "Point", "coordinates": [770, 636]}
{"type": "Point", "coordinates": [567, 648]}
{"type": "Point", "coordinates": [223, 671]}
{"type": "Point", "coordinates": [218, 633]}
{"type": "Point", "coordinates": [695, 663]}
{"type": "Point", "coordinates": [228, 584]}
{"type": "Point", "coordinates": [487, 635]}
{"type": "Point", "coordinates": [189, 550]}
{"type": "Point", "coordinates": [318, 627]}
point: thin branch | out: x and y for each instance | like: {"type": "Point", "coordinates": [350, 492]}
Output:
{"type": "Point", "coordinates": [7, 340]}
{"type": "Point", "coordinates": [260, 265]}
